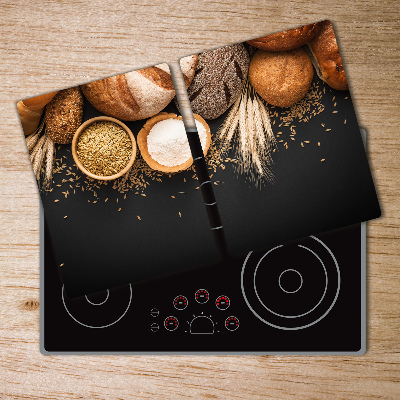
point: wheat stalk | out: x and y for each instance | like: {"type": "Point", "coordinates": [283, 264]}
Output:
{"type": "Point", "coordinates": [33, 137]}
{"type": "Point", "coordinates": [38, 160]}
{"type": "Point", "coordinates": [249, 119]}
{"type": "Point", "coordinates": [230, 122]}
{"type": "Point", "coordinates": [31, 140]}
{"type": "Point", "coordinates": [37, 147]}
{"type": "Point", "coordinates": [49, 163]}
{"type": "Point", "coordinates": [270, 138]}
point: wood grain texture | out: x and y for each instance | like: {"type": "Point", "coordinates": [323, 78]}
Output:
{"type": "Point", "coordinates": [55, 44]}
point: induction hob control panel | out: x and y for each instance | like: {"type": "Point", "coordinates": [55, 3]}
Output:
{"type": "Point", "coordinates": [196, 314]}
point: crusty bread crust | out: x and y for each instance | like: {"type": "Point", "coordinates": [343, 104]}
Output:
{"type": "Point", "coordinates": [281, 78]}
{"type": "Point", "coordinates": [29, 118]}
{"type": "Point", "coordinates": [287, 40]}
{"type": "Point", "coordinates": [219, 80]}
{"type": "Point", "coordinates": [38, 102]}
{"type": "Point", "coordinates": [138, 94]}
{"type": "Point", "coordinates": [112, 97]}
{"type": "Point", "coordinates": [325, 49]}
{"type": "Point", "coordinates": [63, 115]}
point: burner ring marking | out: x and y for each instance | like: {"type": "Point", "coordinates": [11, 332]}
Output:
{"type": "Point", "coordinates": [102, 326]}
{"type": "Point", "coordinates": [98, 304]}
{"type": "Point", "coordinates": [290, 291]}
{"type": "Point", "coordinates": [297, 327]}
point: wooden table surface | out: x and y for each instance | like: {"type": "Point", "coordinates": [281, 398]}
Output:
{"type": "Point", "coordinates": [51, 45]}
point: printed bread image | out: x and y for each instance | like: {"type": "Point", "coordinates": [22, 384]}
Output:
{"type": "Point", "coordinates": [325, 50]}
{"type": "Point", "coordinates": [218, 81]}
{"type": "Point", "coordinates": [138, 94]}
{"type": "Point", "coordinates": [287, 40]}
{"type": "Point", "coordinates": [30, 111]}
{"type": "Point", "coordinates": [63, 115]}
{"type": "Point", "coordinates": [281, 78]}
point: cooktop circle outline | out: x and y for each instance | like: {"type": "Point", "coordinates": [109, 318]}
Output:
{"type": "Point", "coordinates": [102, 326]}
{"type": "Point", "coordinates": [98, 304]}
{"type": "Point", "coordinates": [302, 326]}
{"type": "Point", "coordinates": [290, 316]}
{"type": "Point", "coordinates": [297, 272]}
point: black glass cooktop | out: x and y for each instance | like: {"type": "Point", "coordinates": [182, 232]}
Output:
{"type": "Point", "coordinates": [306, 296]}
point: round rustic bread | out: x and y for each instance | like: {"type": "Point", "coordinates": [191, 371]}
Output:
{"type": "Point", "coordinates": [138, 94]}
{"type": "Point", "coordinates": [63, 115]}
{"type": "Point", "coordinates": [218, 80]}
{"type": "Point", "coordinates": [281, 78]}
{"type": "Point", "coordinates": [287, 40]}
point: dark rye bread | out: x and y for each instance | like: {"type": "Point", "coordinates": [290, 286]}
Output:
{"type": "Point", "coordinates": [218, 80]}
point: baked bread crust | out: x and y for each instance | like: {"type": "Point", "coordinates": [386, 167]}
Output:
{"type": "Point", "coordinates": [63, 115]}
{"type": "Point", "coordinates": [219, 80]}
{"type": "Point", "coordinates": [281, 78]}
{"type": "Point", "coordinates": [325, 49]}
{"type": "Point", "coordinates": [287, 40]}
{"type": "Point", "coordinates": [138, 94]}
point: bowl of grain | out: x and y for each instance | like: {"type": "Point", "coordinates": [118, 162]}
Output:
{"type": "Point", "coordinates": [104, 148]}
{"type": "Point", "coordinates": [163, 142]}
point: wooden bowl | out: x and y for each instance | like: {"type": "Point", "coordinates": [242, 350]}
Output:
{"type": "Point", "coordinates": [80, 165]}
{"type": "Point", "coordinates": [142, 143]}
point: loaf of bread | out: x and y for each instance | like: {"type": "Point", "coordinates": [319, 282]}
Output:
{"type": "Point", "coordinates": [138, 94]}
{"type": "Point", "coordinates": [325, 50]}
{"type": "Point", "coordinates": [287, 40]}
{"type": "Point", "coordinates": [63, 115]}
{"type": "Point", "coordinates": [218, 81]}
{"type": "Point", "coordinates": [281, 78]}
{"type": "Point", "coordinates": [30, 111]}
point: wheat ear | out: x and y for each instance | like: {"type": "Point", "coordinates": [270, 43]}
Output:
{"type": "Point", "coordinates": [37, 147]}
{"type": "Point", "coordinates": [38, 161]}
{"type": "Point", "coordinates": [49, 163]}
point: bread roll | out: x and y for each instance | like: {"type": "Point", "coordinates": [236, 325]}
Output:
{"type": "Point", "coordinates": [325, 50]}
{"type": "Point", "coordinates": [281, 78]}
{"type": "Point", "coordinates": [218, 81]}
{"type": "Point", "coordinates": [39, 102]}
{"type": "Point", "coordinates": [287, 40]}
{"type": "Point", "coordinates": [138, 94]}
{"type": "Point", "coordinates": [30, 111]}
{"type": "Point", "coordinates": [63, 115]}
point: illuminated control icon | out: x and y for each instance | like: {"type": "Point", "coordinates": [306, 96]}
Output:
{"type": "Point", "coordinates": [171, 323]}
{"type": "Point", "coordinates": [180, 302]}
{"type": "Point", "coordinates": [222, 302]}
{"type": "Point", "coordinates": [155, 327]}
{"type": "Point", "coordinates": [202, 296]}
{"type": "Point", "coordinates": [231, 323]}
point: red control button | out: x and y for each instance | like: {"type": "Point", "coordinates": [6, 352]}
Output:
{"type": "Point", "coordinates": [231, 323]}
{"type": "Point", "coordinates": [222, 302]}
